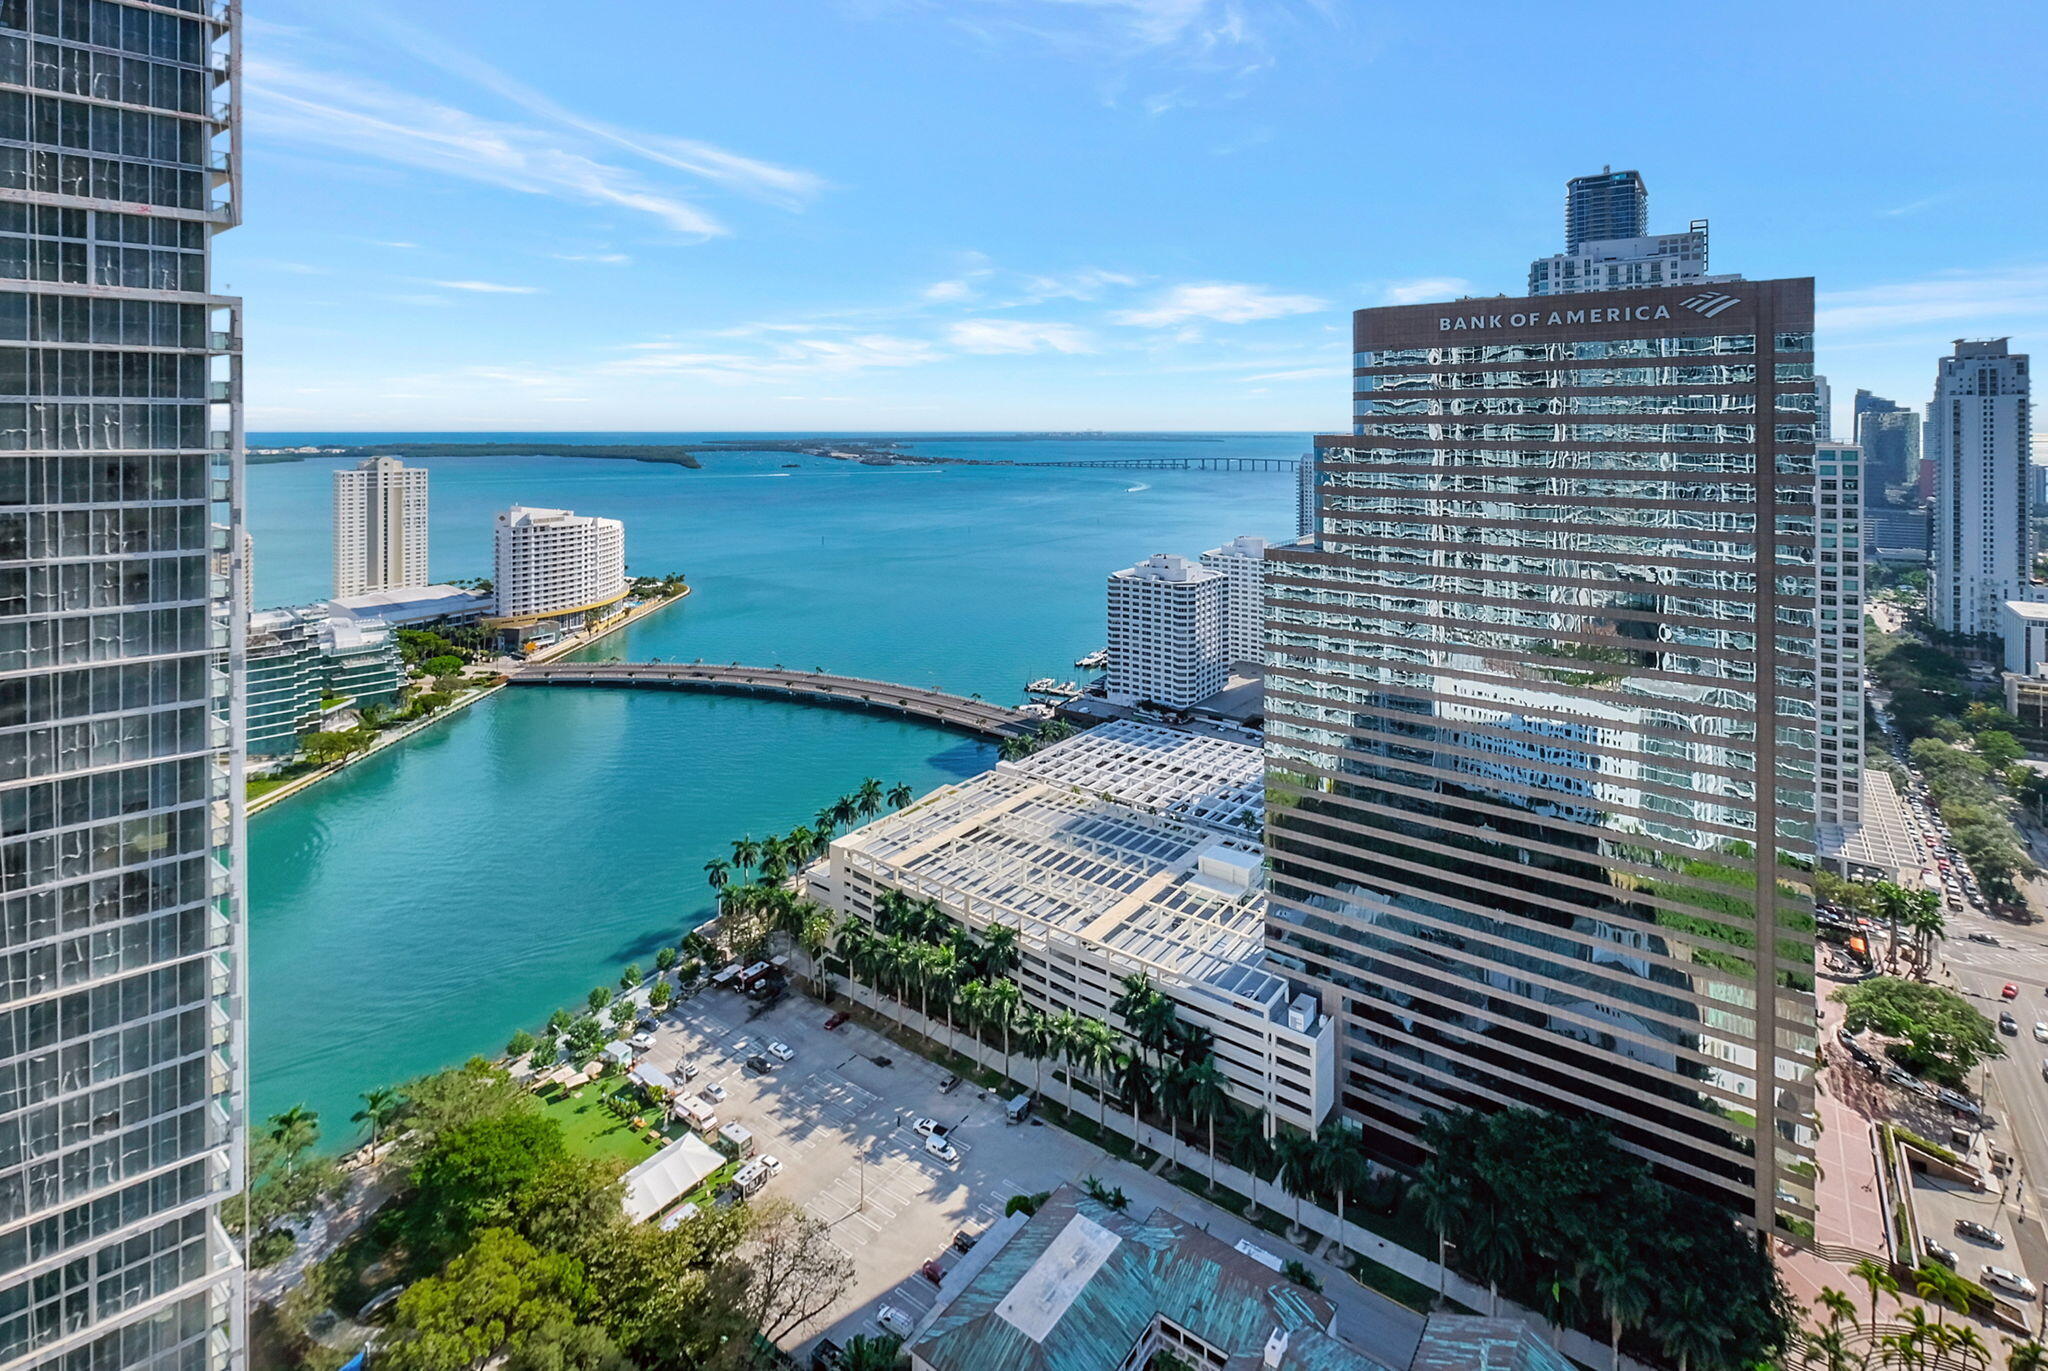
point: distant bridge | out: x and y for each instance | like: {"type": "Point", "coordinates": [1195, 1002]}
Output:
{"type": "Point", "coordinates": [1167, 464]}
{"type": "Point", "coordinates": [855, 692]}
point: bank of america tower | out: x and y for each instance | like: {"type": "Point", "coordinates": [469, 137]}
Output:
{"type": "Point", "coordinates": [120, 814]}
{"type": "Point", "coordinates": [1541, 722]}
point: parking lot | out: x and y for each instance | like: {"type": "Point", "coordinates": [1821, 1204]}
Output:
{"type": "Point", "coordinates": [840, 1122]}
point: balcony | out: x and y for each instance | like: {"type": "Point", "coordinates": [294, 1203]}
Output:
{"type": "Point", "coordinates": [219, 390]}
{"type": "Point", "coordinates": [223, 342]}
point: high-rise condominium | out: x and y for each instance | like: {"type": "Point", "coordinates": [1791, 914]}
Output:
{"type": "Point", "coordinates": [1607, 245]}
{"type": "Point", "coordinates": [555, 564]}
{"type": "Point", "coordinates": [1823, 410]}
{"type": "Point", "coordinates": [380, 527]}
{"type": "Point", "coordinates": [1614, 204]}
{"type": "Point", "coordinates": [1838, 620]}
{"type": "Point", "coordinates": [1242, 564]}
{"type": "Point", "coordinates": [121, 1040]}
{"type": "Point", "coordinates": [1977, 433]}
{"type": "Point", "coordinates": [1541, 726]}
{"type": "Point", "coordinates": [1167, 640]}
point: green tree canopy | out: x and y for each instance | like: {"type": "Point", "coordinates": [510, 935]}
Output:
{"type": "Point", "coordinates": [493, 1301]}
{"type": "Point", "coordinates": [472, 1172]}
{"type": "Point", "coordinates": [1941, 1033]}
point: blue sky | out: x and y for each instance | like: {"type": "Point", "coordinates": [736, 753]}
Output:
{"type": "Point", "coordinates": [1157, 214]}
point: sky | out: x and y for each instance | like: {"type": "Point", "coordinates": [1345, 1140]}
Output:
{"type": "Point", "coordinates": [930, 215]}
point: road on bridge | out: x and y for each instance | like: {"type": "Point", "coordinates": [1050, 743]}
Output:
{"type": "Point", "coordinates": [936, 706]}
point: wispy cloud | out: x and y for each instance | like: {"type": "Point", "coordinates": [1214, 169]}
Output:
{"type": "Point", "coordinates": [1981, 298]}
{"type": "Point", "coordinates": [487, 287]}
{"type": "Point", "coordinates": [1421, 288]}
{"type": "Point", "coordinates": [1017, 335]}
{"type": "Point", "coordinates": [786, 186]}
{"type": "Point", "coordinates": [609, 259]}
{"type": "Point", "coordinates": [1226, 302]}
{"type": "Point", "coordinates": [1300, 374]}
{"type": "Point", "coordinates": [1915, 206]}
{"type": "Point", "coordinates": [364, 118]}
{"type": "Point", "coordinates": [781, 360]}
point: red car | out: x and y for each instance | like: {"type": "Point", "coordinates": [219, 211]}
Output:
{"type": "Point", "coordinates": [932, 1273]}
{"type": "Point", "coordinates": [2011, 991]}
{"type": "Point", "coordinates": [836, 1020]}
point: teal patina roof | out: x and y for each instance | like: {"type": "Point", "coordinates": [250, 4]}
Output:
{"type": "Point", "coordinates": [1079, 1284]}
{"type": "Point", "coordinates": [1452, 1342]}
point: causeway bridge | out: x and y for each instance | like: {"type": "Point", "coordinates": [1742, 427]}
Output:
{"type": "Point", "coordinates": [1158, 464]}
{"type": "Point", "coordinates": [819, 687]}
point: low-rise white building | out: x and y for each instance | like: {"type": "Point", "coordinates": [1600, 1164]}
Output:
{"type": "Point", "coordinates": [1242, 564]}
{"type": "Point", "coordinates": [2024, 627]}
{"type": "Point", "coordinates": [1127, 849]}
{"type": "Point", "coordinates": [554, 570]}
{"type": "Point", "coordinates": [1166, 633]}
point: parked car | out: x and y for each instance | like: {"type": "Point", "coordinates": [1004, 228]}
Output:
{"type": "Point", "coordinates": [1970, 1228]}
{"type": "Point", "coordinates": [2010, 992]}
{"type": "Point", "coordinates": [930, 1271]}
{"type": "Point", "coordinates": [2008, 1025]}
{"type": "Point", "coordinates": [2006, 1280]}
{"type": "Point", "coordinates": [1936, 1252]}
{"type": "Point", "coordinates": [894, 1320]}
{"type": "Point", "coordinates": [2040, 1031]}
{"type": "Point", "coordinates": [771, 1164]}
{"type": "Point", "coordinates": [941, 1149]}
{"type": "Point", "coordinates": [688, 1070]}
{"type": "Point", "coordinates": [965, 1239]}
{"type": "Point", "coordinates": [713, 1093]}
{"type": "Point", "coordinates": [640, 1042]}
{"type": "Point", "coordinates": [946, 1086]}
{"type": "Point", "coordinates": [832, 1024]}
{"type": "Point", "coordinates": [1984, 938]}
{"type": "Point", "coordinates": [928, 1128]}
{"type": "Point", "coordinates": [782, 1052]}
{"type": "Point", "coordinates": [760, 1066]}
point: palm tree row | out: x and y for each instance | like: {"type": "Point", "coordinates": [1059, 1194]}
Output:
{"type": "Point", "coordinates": [1158, 1068]}
{"type": "Point", "coordinates": [1914, 1341]}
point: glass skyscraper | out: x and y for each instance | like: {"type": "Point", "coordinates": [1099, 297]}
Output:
{"type": "Point", "coordinates": [1614, 204]}
{"type": "Point", "coordinates": [121, 1052]}
{"type": "Point", "coordinates": [1541, 704]}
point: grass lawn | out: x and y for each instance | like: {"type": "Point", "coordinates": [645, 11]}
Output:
{"type": "Point", "coordinates": [592, 1130]}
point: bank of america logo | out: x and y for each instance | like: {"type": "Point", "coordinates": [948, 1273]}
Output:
{"type": "Point", "coordinates": [1710, 303]}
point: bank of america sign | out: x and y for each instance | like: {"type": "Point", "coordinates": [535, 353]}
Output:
{"type": "Point", "coordinates": [1710, 302]}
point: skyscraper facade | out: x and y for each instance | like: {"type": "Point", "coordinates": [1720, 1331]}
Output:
{"type": "Point", "coordinates": [380, 527]}
{"type": "Point", "coordinates": [1614, 204]}
{"type": "Point", "coordinates": [1167, 634]}
{"type": "Point", "coordinates": [1541, 726]}
{"type": "Point", "coordinates": [1838, 622]}
{"type": "Point", "coordinates": [1242, 564]}
{"type": "Point", "coordinates": [121, 640]}
{"type": "Point", "coordinates": [1823, 410]}
{"type": "Point", "coordinates": [1978, 428]}
{"type": "Point", "coordinates": [1889, 436]}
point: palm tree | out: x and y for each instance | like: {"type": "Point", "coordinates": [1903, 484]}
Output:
{"type": "Point", "coordinates": [774, 858]}
{"type": "Point", "coordinates": [1444, 1199]}
{"type": "Point", "coordinates": [1297, 1166]}
{"type": "Point", "coordinates": [1829, 1349]}
{"type": "Point", "coordinates": [1622, 1285]}
{"type": "Point", "coordinates": [899, 795]}
{"type": "Point", "coordinates": [1063, 1036]}
{"type": "Point", "coordinates": [1000, 954]}
{"type": "Point", "coordinates": [1838, 1305]}
{"type": "Point", "coordinates": [844, 812]}
{"type": "Point", "coordinates": [1205, 1092]}
{"type": "Point", "coordinates": [1004, 998]}
{"type": "Point", "coordinates": [1926, 922]}
{"type": "Point", "coordinates": [1137, 1084]}
{"type": "Point", "coordinates": [1970, 1343]}
{"type": "Point", "coordinates": [943, 966]}
{"type": "Point", "coordinates": [717, 874]}
{"type": "Point", "coordinates": [814, 935]}
{"type": "Point", "coordinates": [974, 1005]}
{"type": "Point", "coordinates": [1343, 1163]}
{"type": "Point", "coordinates": [1877, 1277]}
{"type": "Point", "coordinates": [1688, 1326]}
{"type": "Point", "coordinates": [856, 945]}
{"type": "Point", "coordinates": [873, 1352]}
{"type": "Point", "coordinates": [1101, 1046]}
{"type": "Point", "coordinates": [1493, 1240]}
{"type": "Point", "coordinates": [868, 798]}
{"type": "Point", "coordinates": [294, 1131]}
{"type": "Point", "coordinates": [825, 823]}
{"type": "Point", "coordinates": [2025, 1356]}
{"type": "Point", "coordinates": [1034, 1040]}
{"type": "Point", "coordinates": [380, 1107]}
{"type": "Point", "coordinates": [1942, 1288]}
{"type": "Point", "coordinates": [745, 852]}
{"type": "Point", "coordinates": [801, 843]}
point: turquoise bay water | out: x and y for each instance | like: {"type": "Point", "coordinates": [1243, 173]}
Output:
{"type": "Point", "coordinates": [434, 898]}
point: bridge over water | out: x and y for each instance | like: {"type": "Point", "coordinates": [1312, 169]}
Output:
{"type": "Point", "coordinates": [821, 687]}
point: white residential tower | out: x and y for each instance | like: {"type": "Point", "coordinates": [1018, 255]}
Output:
{"type": "Point", "coordinates": [380, 527]}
